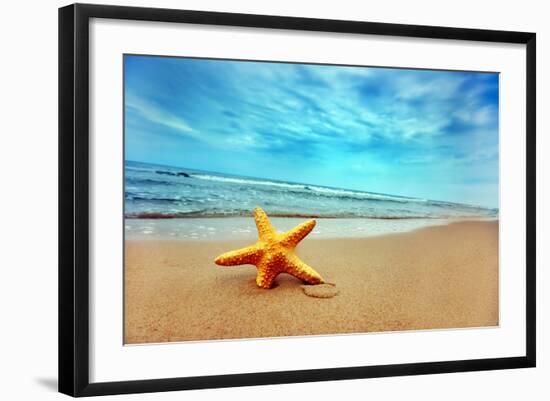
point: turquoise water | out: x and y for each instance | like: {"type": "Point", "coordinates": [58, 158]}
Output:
{"type": "Point", "coordinates": [162, 192]}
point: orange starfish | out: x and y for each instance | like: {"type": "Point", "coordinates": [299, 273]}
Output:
{"type": "Point", "coordinates": [273, 253]}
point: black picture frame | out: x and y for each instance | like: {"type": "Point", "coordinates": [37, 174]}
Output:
{"type": "Point", "coordinates": [74, 198]}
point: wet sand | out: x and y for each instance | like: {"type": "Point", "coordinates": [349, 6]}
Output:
{"type": "Point", "coordinates": [431, 278]}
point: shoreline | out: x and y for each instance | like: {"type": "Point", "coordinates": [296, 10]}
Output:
{"type": "Point", "coordinates": [237, 228]}
{"type": "Point", "coordinates": [436, 277]}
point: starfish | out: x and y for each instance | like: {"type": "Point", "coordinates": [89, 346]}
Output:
{"type": "Point", "coordinates": [273, 253]}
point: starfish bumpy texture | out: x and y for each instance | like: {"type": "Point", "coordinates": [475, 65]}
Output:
{"type": "Point", "coordinates": [273, 253]}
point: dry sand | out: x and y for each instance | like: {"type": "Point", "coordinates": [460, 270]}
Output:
{"type": "Point", "coordinates": [435, 277]}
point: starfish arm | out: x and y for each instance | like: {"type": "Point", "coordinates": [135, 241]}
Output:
{"type": "Point", "coordinates": [266, 275]}
{"type": "Point", "coordinates": [293, 237]}
{"type": "Point", "coordinates": [303, 271]}
{"type": "Point", "coordinates": [265, 229]}
{"type": "Point", "coordinates": [248, 255]}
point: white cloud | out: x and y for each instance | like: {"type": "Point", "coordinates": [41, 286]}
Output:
{"type": "Point", "coordinates": [158, 115]}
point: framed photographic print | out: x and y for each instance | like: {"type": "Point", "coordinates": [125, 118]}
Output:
{"type": "Point", "coordinates": [250, 199]}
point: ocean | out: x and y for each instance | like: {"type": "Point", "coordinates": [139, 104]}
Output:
{"type": "Point", "coordinates": [163, 202]}
{"type": "Point", "coordinates": [162, 192]}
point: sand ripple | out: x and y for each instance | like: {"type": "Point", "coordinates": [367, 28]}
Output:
{"type": "Point", "coordinates": [326, 290]}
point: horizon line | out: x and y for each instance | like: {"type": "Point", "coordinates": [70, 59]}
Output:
{"type": "Point", "coordinates": [323, 186]}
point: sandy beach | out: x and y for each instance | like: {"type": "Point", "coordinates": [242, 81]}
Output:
{"type": "Point", "coordinates": [436, 277]}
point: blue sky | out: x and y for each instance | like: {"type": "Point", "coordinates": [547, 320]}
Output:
{"type": "Point", "coordinates": [421, 133]}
